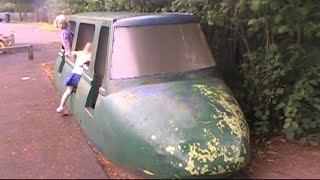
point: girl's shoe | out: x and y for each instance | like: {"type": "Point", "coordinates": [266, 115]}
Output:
{"type": "Point", "coordinates": [62, 110]}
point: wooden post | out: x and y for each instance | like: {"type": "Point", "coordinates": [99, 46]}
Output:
{"type": "Point", "coordinates": [12, 39]}
{"type": "Point", "coordinates": [30, 52]}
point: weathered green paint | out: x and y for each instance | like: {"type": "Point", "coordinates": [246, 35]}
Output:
{"type": "Point", "coordinates": [172, 124]}
{"type": "Point", "coordinates": [185, 125]}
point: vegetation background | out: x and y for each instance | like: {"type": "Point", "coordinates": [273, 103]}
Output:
{"type": "Point", "coordinates": [266, 51]}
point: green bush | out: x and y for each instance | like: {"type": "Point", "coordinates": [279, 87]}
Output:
{"type": "Point", "coordinates": [267, 51]}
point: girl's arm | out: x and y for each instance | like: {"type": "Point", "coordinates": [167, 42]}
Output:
{"type": "Point", "coordinates": [76, 53]}
{"type": "Point", "coordinates": [86, 63]}
{"type": "Point", "coordinates": [67, 48]}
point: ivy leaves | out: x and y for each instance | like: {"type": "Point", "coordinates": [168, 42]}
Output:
{"type": "Point", "coordinates": [278, 55]}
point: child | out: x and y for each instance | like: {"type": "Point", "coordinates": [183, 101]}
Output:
{"type": "Point", "coordinates": [66, 35]}
{"type": "Point", "coordinates": [81, 61]}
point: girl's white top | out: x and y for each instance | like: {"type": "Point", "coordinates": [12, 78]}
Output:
{"type": "Point", "coordinates": [82, 58]}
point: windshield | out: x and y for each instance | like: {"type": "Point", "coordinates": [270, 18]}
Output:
{"type": "Point", "coordinates": [161, 49]}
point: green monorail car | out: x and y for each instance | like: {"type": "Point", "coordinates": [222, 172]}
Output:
{"type": "Point", "coordinates": [151, 100]}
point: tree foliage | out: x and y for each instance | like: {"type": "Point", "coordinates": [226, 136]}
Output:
{"type": "Point", "coordinates": [75, 6]}
{"type": "Point", "coordinates": [267, 50]}
{"type": "Point", "coordinates": [278, 59]}
{"type": "Point", "coordinates": [16, 5]}
{"type": "Point", "coordinates": [275, 46]}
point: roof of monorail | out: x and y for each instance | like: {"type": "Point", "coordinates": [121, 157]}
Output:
{"type": "Point", "coordinates": [138, 19]}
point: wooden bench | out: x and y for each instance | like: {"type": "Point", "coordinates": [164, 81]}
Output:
{"type": "Point", "coordinates": [28, 46]}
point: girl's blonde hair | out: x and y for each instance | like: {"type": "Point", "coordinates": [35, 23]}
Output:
{"type": "Point", "coordinates": [63, 19]}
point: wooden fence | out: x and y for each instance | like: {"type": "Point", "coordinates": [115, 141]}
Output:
{"type": "Point", "coordinates": [41, 16]}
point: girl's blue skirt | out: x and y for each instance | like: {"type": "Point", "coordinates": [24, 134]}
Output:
{"type": "Point", "coordinates": [72, 80]}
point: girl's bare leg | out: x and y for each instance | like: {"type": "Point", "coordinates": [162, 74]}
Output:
{"type": "Point", "coordinates": [65, 96]}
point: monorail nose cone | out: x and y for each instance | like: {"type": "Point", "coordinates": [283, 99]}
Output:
{"type": "Point", "coordinates": [195, 129]}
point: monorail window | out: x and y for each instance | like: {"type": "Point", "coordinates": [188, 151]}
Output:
{"type": "Point", "coordinates": [99, 66]}
{"type": "Point", "coordinates": [85, 34]}
{"type": "Point", "coordinates": [161, 49]}
{"type": "Point", "coordinates": [72, 26]}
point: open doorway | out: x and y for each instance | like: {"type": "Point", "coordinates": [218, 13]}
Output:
{"type": "Point", "coordinates": [99, 67]}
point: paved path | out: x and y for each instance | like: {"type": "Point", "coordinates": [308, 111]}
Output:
{"type": "Point", "coordinates": [35, 141]}
{"type": "Point", "coordinates": [29, 32]}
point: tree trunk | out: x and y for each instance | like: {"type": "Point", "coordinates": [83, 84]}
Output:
{"type": "Point", "coordinates": [25, 16]}
{"type": "Point", "coordinates": [20, 15]}
{"type": "Point", "coordinates": [35, 12]}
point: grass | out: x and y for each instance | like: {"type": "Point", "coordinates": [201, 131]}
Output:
{"type": "Point", "coordinates": [44, 26]}
{"type": "Point", "coordinates": [19, 22]}
{"type": "Point", "coordinates": [47, 27]}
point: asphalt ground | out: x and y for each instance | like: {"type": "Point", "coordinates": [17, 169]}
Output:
{"type": "Point", "coordinates": [35, 141]}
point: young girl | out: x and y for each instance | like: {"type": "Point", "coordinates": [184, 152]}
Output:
{"type": "Point", "coordinates": [82, 58]}
{"type": "Point", "coordinates": [66, 35]}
